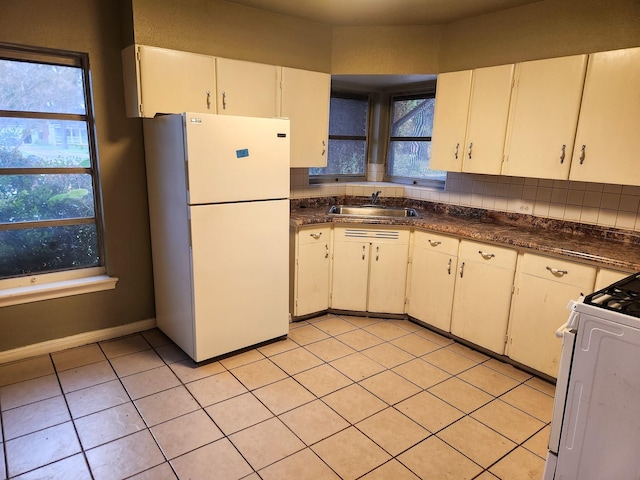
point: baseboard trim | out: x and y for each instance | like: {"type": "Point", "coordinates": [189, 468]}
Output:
{"type": "Point", "coordinates": [51, 346]}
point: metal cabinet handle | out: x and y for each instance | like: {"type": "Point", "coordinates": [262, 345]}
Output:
{"type": "Point", "coordinates": [316, 235]}
{"type": "Point", "coordinates": [582, 154]}
{"type": "Point", "coordinates": [461, 269]}
{"type": "Point", "coordinates": [324, 148]}
{"type": "Point", "coordinates": [455, 154]}
{"type": "Point", "coordinates": [326, 251]}
{"type": "Point", "coordinates": [224, 100]}
{"type": "Point", "coordinates": [470, 148]}
{"type": "Point", "coordinates": [434, 243]}
{"type": "Point", "coordinates": [449, 267]}
{"type": "Point", "coordinates": [363, 248]}
{"type": "Point", "coordinates": [208, 99]}
{"type": "Point", "coordinates": [377, 253]}
{"type": "Point", "coordinates": [562, 153]}
{"type": "Point", "coordinates": [486, 255]}
{"type": "Point", "coordinates": [557, 272]}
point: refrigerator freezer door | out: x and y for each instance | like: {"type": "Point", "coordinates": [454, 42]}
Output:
{"type": "Point", "coordinates": [240, 260]}
{"type": "Point", "coordinates": [234, 159]}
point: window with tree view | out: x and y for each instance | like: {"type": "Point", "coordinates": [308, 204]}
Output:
{"type": "Point", "coordinates": [410, 140]}
{"type": "Point", "coordinates": [347, 152]}
{"type": "Point", "coordinates": [48, 184]}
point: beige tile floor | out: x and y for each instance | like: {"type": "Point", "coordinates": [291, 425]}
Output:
{"type": "Point", "coordinates": [342, 397]}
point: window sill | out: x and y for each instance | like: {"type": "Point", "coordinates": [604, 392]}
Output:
{"type": "Point", "coordinates": [39, 291]}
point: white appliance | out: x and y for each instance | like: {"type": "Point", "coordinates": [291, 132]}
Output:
{"type": "Point", "coordinates": [595, 429]}
{"type": "Point", "coordinates": [218, 191]}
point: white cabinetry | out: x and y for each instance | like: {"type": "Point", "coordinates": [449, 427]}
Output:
{"type": "Point", "coordinates": [434, 264]}
{"type": "Point", "coordinates": [543, 116]}
{"type": "Point", "coordinates": [246, 88]}
{"type": "Point", "coordinates": [470, 123]}
{"type": "Point", "coordinates": [312, 247]}
{"type": "Point", "coordinates": [545, 287]}
{"type": "Point", "coordinates": [482, 295]}
{"type": "Point", "coordinates": [487, 125]}
{"type": "Point", "coordinates": [158, 80]}
{"type": "Point", "coordinates": [606, 277]}
{"type": "Point", "coordinates": [304, 101]}
{"type": "Point", "coordinates": [450, 120]}
{"type": "Point", "coordinates": [369, 269]}
{"type": "Point", "coordinates": [606, 140]}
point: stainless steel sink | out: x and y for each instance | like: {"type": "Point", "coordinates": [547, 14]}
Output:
{"type": "Point", "coordinates": [372, 211]}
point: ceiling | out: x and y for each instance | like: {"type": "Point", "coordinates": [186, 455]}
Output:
{"type": "Point", "coordinates": [382, 12]}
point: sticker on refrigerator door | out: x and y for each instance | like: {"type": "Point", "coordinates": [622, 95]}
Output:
{"type": "Point", "coordinates": [242, 153]}
{"type": "Point", "coordinates": [195, 120]}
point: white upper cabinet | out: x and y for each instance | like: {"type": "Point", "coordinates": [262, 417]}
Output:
{"type": "Point", "coordinates": [487, 124]}
{"type": "Point", "coordinates": [246, 88]}
{"type": "Point", "coordinates": [543, 116]}
{"type": "Point", "coordinates": [470, 122]}
{"type": "Point", "coordinates": [450, 120]}
{"type": "Point", "coordinates": [606, 140]}
{"type": "Point", "coordinates": [305, 98]}
{"type": "Point", "coordinates": [158, 80]}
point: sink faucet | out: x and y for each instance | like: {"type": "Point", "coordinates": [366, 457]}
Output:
{"type": "Point", "coordinates": [374, 197]}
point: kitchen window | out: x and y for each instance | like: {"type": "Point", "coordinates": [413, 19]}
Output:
{"type": "Point", "coordinates": [348, 127]}
{"type": "Point", "coordinates": [49, 192]}
{"type": "Point", "coordinates": [411, 124]}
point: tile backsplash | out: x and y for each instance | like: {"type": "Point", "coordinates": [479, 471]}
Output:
{"type": "Point", "coordinates": [590, 203]}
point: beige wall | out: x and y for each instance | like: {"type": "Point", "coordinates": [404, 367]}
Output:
{"type": "Point", "coordinates": [385, 50]}
{"type": "Point", "coordinates": [91, 26]}
{"type": "Point", "coordinates": [546, 29]}
{"type": "Point", "coordinates": [215, 27]}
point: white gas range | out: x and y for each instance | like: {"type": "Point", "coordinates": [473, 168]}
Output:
{"type": "Point", "coordinates": [595, 430]}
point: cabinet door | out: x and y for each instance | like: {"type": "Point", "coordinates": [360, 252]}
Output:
{"type": "Point", "coordinates": [312, 271]}
{"type": "Point", "coordinates": [305, 102]}
{"type": "Point", "coordinates": [606, 140]}
{"type": "Point", "coordinates": [453, 91]}
{"type": "Point", "coordinates": [350, 274]}
{"type": "Point", "coordinates": [543, 117]}
{"type": "Point", "coordinates": [487, 124]}
{"type": "Point", "coordinates": [434, 265]}
{"type": "Point", "coordinates": [545, 287]}
{"type": "Point", "coordinates": [606, 277]}
{"type": "Point", "coordinates": [158, 80]}
{"type": "Point", "coordinates": [482, 297]}
{"type": "Point", "coordinates": [246, 88]}
{"type": "Point", "coordinates": [388, 277]}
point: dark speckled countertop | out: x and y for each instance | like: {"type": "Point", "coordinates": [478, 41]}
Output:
{"type": "Point", "coordinates": [608, 247]}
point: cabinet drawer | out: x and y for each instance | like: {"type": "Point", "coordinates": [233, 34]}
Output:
{"type": "Point", "coordinates": [307, 236]}
{"type": "Point", "coordinates": [377, 235]}
{"type": "Point", "coordinates": [486, 253]}
{"type": "Point", "coordinates": [558, 270]}
{"type": "Point", "coordinates": [436, 242]}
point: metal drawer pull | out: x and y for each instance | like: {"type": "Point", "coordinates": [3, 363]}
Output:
{"type": "Point", "coordinates": [555, 271]}
{"type": "Point", "coordinates": [461, 269]}
{"type": "Point", "coordinates": [363, 247]}
{"type": "Point", "coordinates": [449, 267]}
{"type": "Point", "coordinates": [208, 99]}
{"type": "Point", "coordinates": [434, 243]}
{"type": "Point", "coordinates": [224, 100]}
{"type": "Point", "coordinates": [562, 153]}
{"type": "Point", "coordinates": [456, 152]}
{"type": "Point", "coordinates": [316, 235]}
{"type": "Point", "coordinates": [485, 254]}
{"type": "Point", "coordinates": [470, 148]}
{"type": "Point", "coordinates": [377, 253]}
{"type": "Point", "coordinates": [582, 154]}
{"type": "Point", "coordinates": [326, 248]}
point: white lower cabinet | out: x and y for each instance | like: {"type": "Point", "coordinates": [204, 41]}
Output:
{"type": "Point", "coordinates": [311, 266]}
{"type": "Point", "coordinates": [606, 277]}
{"type": "Point", "coordinates": [544, 288]}
{"type": "Point", "coordinates": [482, 297]}
{"type": "Point", "coordinates": [434, 263]}
{"type": "Point", "coordinates": [369, 269]}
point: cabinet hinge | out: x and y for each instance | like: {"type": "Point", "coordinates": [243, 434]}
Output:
{"type": "Point", "coordinates": [506, 339]}
{"type": "Point", "coordinates": [141, 109]}
{"type": "Point", "coordinates": [513, 289]}
{"type": "Point", "coordinates": [138, 54]}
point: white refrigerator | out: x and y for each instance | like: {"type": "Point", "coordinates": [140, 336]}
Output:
{"type": "Point", "coordinates": [218, 190]}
